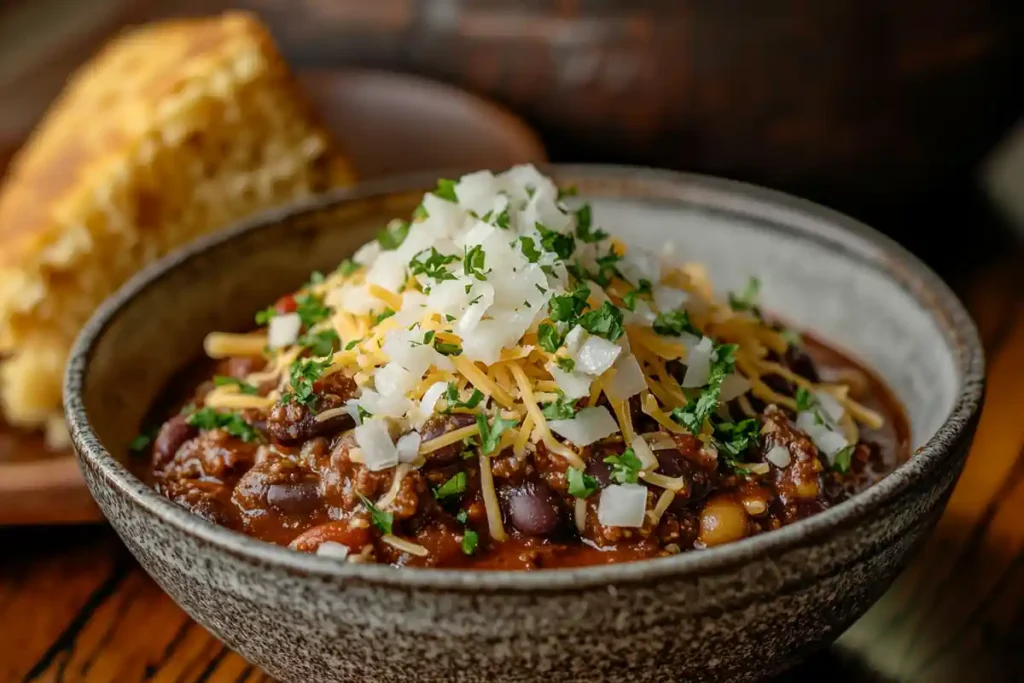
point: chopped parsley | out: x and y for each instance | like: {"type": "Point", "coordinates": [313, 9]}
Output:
{"type": "Point", "coordinates": [266, 315]}
{"type": "Point", "coordinates": [352, 344]}
{"type": "Point", "coordinates": [843, 458]}
{"type": "Point", "coordinates": [499, 221]}
{"type": "Point", "coordinates": [393, 235]}
{"type": "Point", "coordinates": [446, 348]}
{"type": "Point", "coordinates": [626, 467]}
{"type": "Point", "coordinates": [567, 191]}
{"type": "Point", "coordinates": [735, 438]}
{"type": "Point", "coordinates": [382, 520]}
{"type": "Point", "coordinates": [470, 539]}
{"type": "Point", "coordinates": [473, 263]}
{"type": "Point", "coordinates": [382, 316]}
{"type": "Point", "coordinates": [581, 485]}
{"type": "Point", "coordinates": [644, 287]}
{"type": "Point", "coordinates": [549, 338]}
{"type": "Point", "coordinates": [232, 423]}
{"type": "Point", "coordinates": [529, 249]}
{"type": "Point", "coordinates": [604, 322]}
{"type": "Point", "coordinates": [694, 413]}
{"type": "Point", "coordinates": [243, 387]}
{"type": "Point", "coordinates": [805, 400]}
{"type": "Point", "coordinates": [320, 343]}
{"type": "Point", "coordinates": [311, 309]}
{"type": "Point", "coordinates": [453, 487]}
{"type": "Point", "coordinates": [446, 189]}
{"type": "Point", "coordinates": [565, 364]}
{"type": "Point", "coordinates": [583, 226]}
{"type": "Point", "coordinates": [316, 278]}
{"type": "Point", "coordinates": [607, 268]}
{"type": "Point", "coordinates": [550, 240]}
{"type": "Point", "coordinates": [420, 213]}
{"type": "Point", "coordinates": [569, 307]}
{"type": "Point", "coordinates": [490, 434]}
{"type": "Point", "coordinates": [451, 396]}
{"type": "Point", "coordinates": [303, 373]}
{"type": "Point", "coordinates": [141, 442]}
{"type": "Point", "coordinates": [432, 264]}
{"type": "Point", "coordinates": [347, 267]}
{"type": "Point", "coordinates": [562, 408]}
{"type": "Point", "coordinates": [674, 324]}
{"type": "Point", "coordinates": [747, 299]}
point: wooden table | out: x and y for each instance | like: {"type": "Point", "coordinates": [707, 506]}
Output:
{"type": "Point", "coordinates": [74, 606]}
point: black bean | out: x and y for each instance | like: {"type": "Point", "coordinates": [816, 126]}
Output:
{"type": "Point", "coordinates": [439, 425]}
{"type": "Point", "coordinates": [533, 508]}
{"type": "Point", "coordinates": [599, 469]}
{"type": "Point", "coordinates": [172, 435]}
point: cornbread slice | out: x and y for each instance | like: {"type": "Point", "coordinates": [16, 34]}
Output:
{"type": "Point", "coordinates": [173, 130]}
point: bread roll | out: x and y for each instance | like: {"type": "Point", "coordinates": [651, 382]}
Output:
{"type": "Point", "coordinates": [174, 130]}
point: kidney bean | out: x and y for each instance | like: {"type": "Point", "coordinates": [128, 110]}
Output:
{"type": "Point", "coordinates": [292, 497]}
{"type": "Point", "coordinates": [293, 423]}
{"type": "Point", "coordinates": [599, 469]}
{"type": "Point", "coordinates": [533, 508]}
{"type": "Point", "coordinates": [172, 435]}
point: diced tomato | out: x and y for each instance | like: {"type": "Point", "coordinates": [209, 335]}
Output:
{"type": "Point", "coordinates": [286, 304]}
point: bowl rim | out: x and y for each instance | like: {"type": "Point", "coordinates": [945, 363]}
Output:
{"type": "Point", "coordinates": [802, 217]}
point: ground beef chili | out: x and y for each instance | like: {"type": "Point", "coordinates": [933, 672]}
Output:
{"type": "Point", "coordinates": [298, 486]}
{"type": "Point", "coordinates": [500, 383]}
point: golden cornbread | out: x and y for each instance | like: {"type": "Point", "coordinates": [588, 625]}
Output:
{"type": "Point", "coordinates": [172, 131]}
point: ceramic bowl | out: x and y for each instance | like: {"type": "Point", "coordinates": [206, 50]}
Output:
{"type": "Point", "coordinates": [735, 612]}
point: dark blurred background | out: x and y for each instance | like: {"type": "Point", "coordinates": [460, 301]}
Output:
{"type": "Point", "coordinates": [887, 110]}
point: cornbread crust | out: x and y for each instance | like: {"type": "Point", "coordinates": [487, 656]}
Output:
{"type": "Point", "coordinates": [172, 131]}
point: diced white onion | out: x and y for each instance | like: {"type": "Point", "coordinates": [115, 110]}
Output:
{"type": "Point", "coordinates": [394, 380]}
{"type": "Point", "coordinates": [425, 409]}
{"type": "Point", "coordinates": [698, 364]}
{"type": "Point", "coordinates": [734, 386]}
{"type": "Point", "coordinates": [586, 426]}
{"type": "Point", "coordinates": [384, 406]}
{"type": "Point", "coordinates": [574, 340]}
{"type": "Point", "coordinates": [778, 456]}
{"type": "Point", "coordinates": [832, 407]}
{"type": "Point", "coordinates": [572, 384]}
{"type": "Point", "coordinates": [628, 380]}
{"type": "Point", "coordinates": [352, 407]}
{"type": "Point", "coordinates": [374, 439]}
{"type": "Point", "coordinates": [408, 447]}
{"type": "Point", "coordinates": [642, 314]}
{"type": "Point", "coordinates": [388, 271]}
{"type": "Point", "coordinates": [333, 550]}
{"type": "Point", "coordinates": [825, 439]}
{"type": "Point", "coordinates": [596, 355]}
{"type": "Point", "coordinates": [623, 505]}
{"type": "Point", "coordinates": [669, 298]}
{"type": "Point", "coordinates": [283, 330]}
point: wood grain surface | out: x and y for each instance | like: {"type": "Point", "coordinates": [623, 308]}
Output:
{"type": "Point", "coordinates": [74, 606]}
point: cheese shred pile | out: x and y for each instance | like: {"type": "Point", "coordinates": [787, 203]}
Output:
{"type": "Point", "coordinates": [502, 298]}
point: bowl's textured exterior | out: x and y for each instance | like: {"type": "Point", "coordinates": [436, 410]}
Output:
{"type": "Point", "coordinates": [739, 612]}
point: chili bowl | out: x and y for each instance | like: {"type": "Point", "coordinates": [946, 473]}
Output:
{"type": "Point", "coordinates": [741, 611]}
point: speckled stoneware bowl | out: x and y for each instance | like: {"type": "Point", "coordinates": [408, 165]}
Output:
{"type": "Point", "coordinates": [737, 612]}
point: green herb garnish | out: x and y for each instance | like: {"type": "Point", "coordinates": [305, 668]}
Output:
{"type": "Point", "coordinates": [490, 434]}
{"type": "Point", "coordinates": [382, 520]}
{"type": "Point", "coordinates": [303, 373]}
{"type": "Point", "coordinates": [243, 387]}
{"type": "Point", "coordinates": [630, 299]}
{"type": "Point", "coordinates": [453, 487]}
{"type": "Point", "coordinates": [432, 264]}
{"type": "Point", "coordinates": [549, 338]}
{"type": "Point", "coordinates": [747, 299]}
{"type": "Point", "coordinates": [565, 364]}
{"type": "Point", "coordinates": [452, 398]}
{"type": "Point", "coordinates": [470, 539]}
{"type": "Point", "coordinates": [320, 343]}
{"type": "Point", "coordinates": [562, 408]}
{"type": "Point", "coordinates": [843, 458]}
{"type": "Point", "coordinates": [141, 442]}
{"type": "Point", "coordinates": [529, 249]}
{"type": "Point", "coordinates": [626, 467]}
{"type": "Point", "coordinates": [473, 263]}
{"type": "Point", "coordinates": [266, 315]}
{"type": "Point", "coordinates": [674, 323]}
{"type": "Point", "coordinates": [694, 413]}
{"type": "Point", "coordinates": [581, 485]}
{"type": "Point", "coordinates": [347, 267]}
{"type": "Point", "coordinates": [568, 307]}
{"type": "Point", "coordinates": [232, 423]}
{"type": "Point", "coordinates": [311, 309]}
{"type": "Point", "coordinates": [382, 316]}
{"type": "Point", "coordinates": [446, 189]}
{"type": "Point", "coordinates": [604, 322]}
{"type": "Point", "coordinates": [393, 235]}
{"type": "Point", "coordinates": [550, 240]}
{"type": "Point", "coordinates": [583, 226]}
